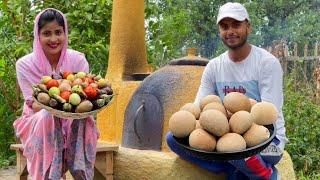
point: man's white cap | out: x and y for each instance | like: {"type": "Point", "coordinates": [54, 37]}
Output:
{"type": "Point", "coordinates": [233, 10]}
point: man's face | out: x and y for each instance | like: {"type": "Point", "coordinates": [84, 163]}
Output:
{"type": "Point", "coordinates": [234, 33]}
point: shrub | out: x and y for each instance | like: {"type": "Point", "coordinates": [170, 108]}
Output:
{"type": "Point", "coordinates": [302, 118]}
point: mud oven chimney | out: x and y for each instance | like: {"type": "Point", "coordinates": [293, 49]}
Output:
{"type": "Point", "coordinates": [138, 116]}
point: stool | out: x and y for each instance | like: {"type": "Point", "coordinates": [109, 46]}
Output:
{"type": "Point", "coordinates": [103, 165]}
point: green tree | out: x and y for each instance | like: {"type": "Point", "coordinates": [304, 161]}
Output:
{"type": "Point", "coordinates": [15, 40]}
{"type": "Point", "coordinates": [175, 25]}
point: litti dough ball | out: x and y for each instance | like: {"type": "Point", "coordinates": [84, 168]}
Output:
{"type": "Point", "coordinates": [236, 101]}
{"type": "Point", "coordinates": [231, 142]}
{"type": "Point", "coordinates": [264, 113]}
{"type": "Point", "coordinates": [240, 122]}
{"type": "Point", "coordinates": [182, 123]}
{"type": "Point", "coordinates": [214, 122]}
{"type": "Point", "coordinates": [201, 139]}
{"type": "Point", "coordinates": [209, 99]}
{"type": "Point", "coordinates": [194, 109]}
{"type": "Point", "coordinates": [257, 134]}
{"type": "Point", "coordinates": [216, 106]}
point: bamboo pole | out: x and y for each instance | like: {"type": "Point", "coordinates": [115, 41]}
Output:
{"type": "Point", "coordinates": [316, 49]}
{"type": "Point", "coordinates": [305, 54]}
{"type": "Point", "coordinates": [279, 52]}
{"type": "Point", "coordinates": [317, 79]}
{"type": "Point", "coordinates": [285, 59]}
{"type": "Point", "coordinates": [281, 60]}
{"type": "Point", "coordinates": [295, 54]}
{"type": "Point", "coordinates": [317, 73]}
{"type": "Point", "coordinates": [295, 50]}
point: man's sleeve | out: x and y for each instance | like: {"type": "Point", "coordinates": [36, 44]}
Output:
{"type": "Point", "coordinates": [207, 85]}
{"type": "Point", "coordinates": [271, 83]}
{"type": "Point", "coordinates": [271, 90]}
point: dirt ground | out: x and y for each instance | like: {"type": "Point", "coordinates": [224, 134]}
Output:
{"type": "Point", "coordinates": [10, 172]}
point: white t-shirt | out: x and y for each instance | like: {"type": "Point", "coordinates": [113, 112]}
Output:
{"type": "Point", "coordinates": [259, 77]}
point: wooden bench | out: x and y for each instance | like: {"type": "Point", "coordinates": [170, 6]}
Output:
{"type": "Point", "coordinates": [103, 165]}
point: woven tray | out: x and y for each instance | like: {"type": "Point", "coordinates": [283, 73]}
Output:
{"type": "Point", "coordinates": [70, 115]}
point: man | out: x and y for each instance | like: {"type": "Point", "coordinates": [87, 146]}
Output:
{"type": "Point", "coordinates": [250, 70]}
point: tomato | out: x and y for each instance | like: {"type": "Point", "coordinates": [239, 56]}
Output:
{"type": "Point", "coordinates": [52, 83]}
{"type": "Point", "coordinates": [94, 85]}
{"type": "Point", "coordinates": [91, 92]}
{"type": "Point", "coordinates": [65, 95]}
{"type": "Point", "coordinates": [65, 74]}
{"type": "Point", "coordinates": [89, 80]}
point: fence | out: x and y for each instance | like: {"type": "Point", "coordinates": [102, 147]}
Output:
{"type": "Point", "coordinates": [303, 66]}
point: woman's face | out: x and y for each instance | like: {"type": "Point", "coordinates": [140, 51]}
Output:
{"type": "Point", "coordinates": [52, 38]}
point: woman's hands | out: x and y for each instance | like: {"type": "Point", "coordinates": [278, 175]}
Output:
{"type": "Point", "coordinates": [36, 107]}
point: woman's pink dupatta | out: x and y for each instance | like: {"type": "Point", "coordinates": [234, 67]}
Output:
{"type": "Point", "coordinates": [38, 131]}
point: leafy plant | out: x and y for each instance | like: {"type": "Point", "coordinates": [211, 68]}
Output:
{"type": "Point", "coordinates": [15, 42]}
{"type": "Point", "coordinates": [303, 126]}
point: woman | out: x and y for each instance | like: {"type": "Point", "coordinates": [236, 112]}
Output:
{"type": "Point", "coordinates": [53, 145]}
